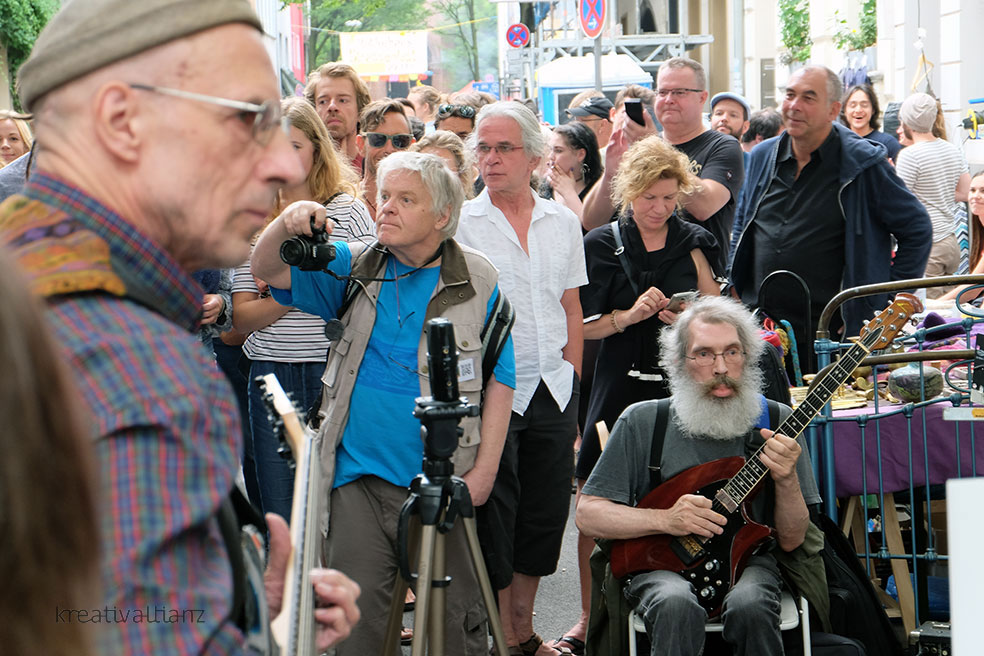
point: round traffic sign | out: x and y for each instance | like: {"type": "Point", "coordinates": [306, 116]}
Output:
{"type": "Point", "coordinates": [518, 35]}
{"type": "Point", "coordinates": [591, 14]}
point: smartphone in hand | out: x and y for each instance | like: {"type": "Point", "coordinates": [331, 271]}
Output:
{"type": "Point", "coordinates": [633, 108]}
{"type": "Point", "coordinates": [678, 300]}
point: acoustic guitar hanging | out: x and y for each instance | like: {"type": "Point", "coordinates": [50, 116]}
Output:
{"type": "Point", "coordinates": [294, 628]}
{"type": "Point", "coordinates": [713, 565]}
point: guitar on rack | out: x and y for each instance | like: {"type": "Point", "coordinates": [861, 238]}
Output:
{"type": "Point", "coordinates": [714, 564]}
{"type": "Point", "coordinates": [294, 628]}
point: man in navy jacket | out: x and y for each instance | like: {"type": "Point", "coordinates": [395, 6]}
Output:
{"type": "Point", "coordinates": [825, 204]}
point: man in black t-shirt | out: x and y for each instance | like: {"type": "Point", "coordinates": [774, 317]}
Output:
{"type": "Point", "coordinates": [715, 158]}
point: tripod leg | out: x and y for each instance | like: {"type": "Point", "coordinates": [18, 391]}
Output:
{"type": "Point", "coordinates": [478, 562]}
{"type": "Point", "coordinates": [428, 533]}
{"type": "Point", "coordinates": [438, 606]}
{"type": "Point", "coordinates": [395, 621]}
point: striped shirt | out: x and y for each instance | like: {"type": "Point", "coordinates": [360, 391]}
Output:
{"type": "Point", "coordinates": [165, 433]}
{"type": "Point", "coordinates": [298, 336]}
{"type": "Point", "coordinates": [931, 170]}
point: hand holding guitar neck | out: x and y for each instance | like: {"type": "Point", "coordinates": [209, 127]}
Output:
{"type": "Point", "coordinates": [314, 608]}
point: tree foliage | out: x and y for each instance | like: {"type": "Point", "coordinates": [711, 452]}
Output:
{"type": "Point", "coordinates": [20, 23]}
{"type": "Point", "coordinates": [330, 16]}
{"type": "Point", "coordinates": [466, 61]}
{"type": "Point", "coordinates": [866, 33]}
{"type": "Point", "coordinates": [794, 21]}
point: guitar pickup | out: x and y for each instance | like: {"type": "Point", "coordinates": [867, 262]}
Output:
{"type": "Point", "coordinates": [725, 500]}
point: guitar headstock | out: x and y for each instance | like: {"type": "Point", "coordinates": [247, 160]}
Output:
{"type": "Point", "coordinates": [283, 416]}
{"type": "Point", "coordinates": [890, 320]}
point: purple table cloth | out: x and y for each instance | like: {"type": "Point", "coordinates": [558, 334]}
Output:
{"type": "Point", "coordinates": [947, 441]}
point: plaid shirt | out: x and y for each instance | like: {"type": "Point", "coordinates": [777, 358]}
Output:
{"type": "Point", "coordinates": [164, 423]}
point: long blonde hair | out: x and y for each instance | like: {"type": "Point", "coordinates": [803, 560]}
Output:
{"type": "Point", "coordinates": [329, 174]}
{"type": "Point", "coordinates": [23, 128]}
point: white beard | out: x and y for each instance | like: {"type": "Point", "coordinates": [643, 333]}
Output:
{"type": "Point", "coordinates": [700, 414]}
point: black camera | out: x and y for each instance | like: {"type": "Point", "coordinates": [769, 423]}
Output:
{"type": "Point", "coordinates": [308, 253]}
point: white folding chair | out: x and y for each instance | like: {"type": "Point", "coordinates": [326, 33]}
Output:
{"type": "Point", "coordinates": [789, 618]}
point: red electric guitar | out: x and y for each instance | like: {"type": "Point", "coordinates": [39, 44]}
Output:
{"type": "Point", "coordinates": [714, 564]}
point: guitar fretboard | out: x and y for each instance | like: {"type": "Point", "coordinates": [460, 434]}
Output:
{"type": "Point", "coordinates": [751, 474]}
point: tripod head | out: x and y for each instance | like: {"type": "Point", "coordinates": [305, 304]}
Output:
{"type": "Point", "coordinates": [440, 412]}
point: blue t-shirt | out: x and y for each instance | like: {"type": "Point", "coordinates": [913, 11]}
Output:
{"type": "Point", "coordinates": [382, 437]}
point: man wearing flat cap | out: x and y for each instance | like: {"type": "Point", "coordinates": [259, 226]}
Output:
{"type": "Point", "coordinates": [159, 151]}
{"type": "Point", "coordinates": [729, 114]}
{"type": "Point", "coordinates": [937, 173]}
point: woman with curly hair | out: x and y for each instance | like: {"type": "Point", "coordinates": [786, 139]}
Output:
{"type": "Point", "coordinates": [634, 266]}
{"type": "Point", "coordinates": [283, 340]}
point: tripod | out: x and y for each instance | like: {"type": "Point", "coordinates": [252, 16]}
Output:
{"type": "Point", "coordinates": [438, 498]}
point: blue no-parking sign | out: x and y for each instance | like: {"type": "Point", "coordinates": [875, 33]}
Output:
{"type": "Point", "coordinates": [591, 14]}
{"type": "Point", "coordinates": [518, 35]}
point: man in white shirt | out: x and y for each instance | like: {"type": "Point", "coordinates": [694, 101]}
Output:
{"type": "Point", "coordinates": [536, 245]}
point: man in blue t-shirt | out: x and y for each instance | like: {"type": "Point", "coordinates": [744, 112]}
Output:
{"type": "Point", "coordinates": [372, 445]}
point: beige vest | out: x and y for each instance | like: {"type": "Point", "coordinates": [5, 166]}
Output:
{"type": "Point", "coordinates": [467, 281]}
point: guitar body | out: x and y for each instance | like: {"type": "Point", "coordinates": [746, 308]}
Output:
{"type": "Point", "coordinates": [712, 565]}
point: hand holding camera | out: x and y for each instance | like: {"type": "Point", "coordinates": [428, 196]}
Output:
{"type": "Point", "coordinates": [311, 248]}
{"type": "Point", "coordinates": [305, 217]}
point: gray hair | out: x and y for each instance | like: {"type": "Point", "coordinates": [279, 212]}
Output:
{"type": "Point", "coordinates": [835, 88]}
{"type": "Point", "coordinates": [674, 341]}
{"type": "Point", "coordinates": [442, 185]}
{"type": "Point", "coordinates": [686, 62]}
{"type": "Point", "coordinates": [534, 143]}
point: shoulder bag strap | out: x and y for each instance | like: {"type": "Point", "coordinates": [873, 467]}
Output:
{"type": "Point", "coordinates": [623, 259]}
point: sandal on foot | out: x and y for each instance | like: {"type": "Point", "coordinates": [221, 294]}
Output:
{"type": "Point", "coordinates": [576, 645]}
{"type": "Point", "coordinates": [406, 636]}
{"type": "Point", "coordinates": [530, 646]}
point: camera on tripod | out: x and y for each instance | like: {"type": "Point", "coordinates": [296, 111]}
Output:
{"type": "Point", "coordinates": [312, 253]}
{"type": "Point", "coordinates": [440, 412]}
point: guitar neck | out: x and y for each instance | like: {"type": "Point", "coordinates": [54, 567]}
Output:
{"type": "Point", "coordinates": [294, 628]}
{"type": "Point", "coordinates": [754, 471]}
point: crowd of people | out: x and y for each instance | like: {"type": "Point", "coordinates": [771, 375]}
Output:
{"type": "Point", "coordinates": [151, 192]}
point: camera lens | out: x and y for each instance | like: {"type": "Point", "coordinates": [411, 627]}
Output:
{"type": "Point", "coordinates": [292, 251]}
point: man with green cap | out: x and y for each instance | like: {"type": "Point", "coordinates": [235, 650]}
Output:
{"type": "Point", "coordinates": [159, 152]}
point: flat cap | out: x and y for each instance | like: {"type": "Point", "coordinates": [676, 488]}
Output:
{"type": "Point", "coordinates": [592, 107]}
{"type": "Point", "coordinates": [727, 95]}
{"type": "Point", "coordinates": [919, 112]}
{"type": "Point", "coordinates": [86, 35]}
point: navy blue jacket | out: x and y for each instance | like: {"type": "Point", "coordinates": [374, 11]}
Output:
{"type": "Point", "coordinates": [875, 204]}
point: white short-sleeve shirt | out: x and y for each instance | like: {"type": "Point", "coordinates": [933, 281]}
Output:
{"type": "Point", "coordinates": [534, 284]}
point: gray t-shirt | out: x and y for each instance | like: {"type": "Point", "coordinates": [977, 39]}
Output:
{"type": "Point", "coordinates": [622, 472]}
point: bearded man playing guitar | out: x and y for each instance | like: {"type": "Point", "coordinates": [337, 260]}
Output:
{"type": "Point", "coordinates": [714, 413]}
